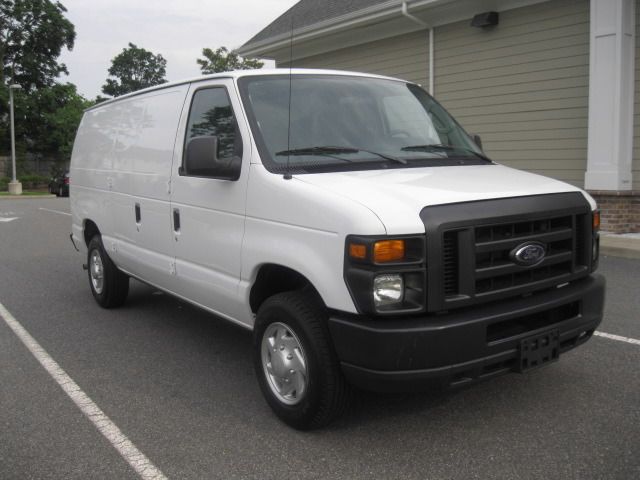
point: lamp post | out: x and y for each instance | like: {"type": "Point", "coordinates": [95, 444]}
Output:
{"type": "Point", "coordinates": [15, 187]}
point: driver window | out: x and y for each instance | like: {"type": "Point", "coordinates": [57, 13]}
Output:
{"type": "Point", "coordinates": [212, 115]}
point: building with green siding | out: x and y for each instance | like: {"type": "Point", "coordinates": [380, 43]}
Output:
{"type": "Point", "coordinates": [552, 88]}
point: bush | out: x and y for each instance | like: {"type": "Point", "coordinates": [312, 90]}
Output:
{"type": "Point", "coordinates": [28, 181]}
{"type": "Point", "coordinates": [33, 181]}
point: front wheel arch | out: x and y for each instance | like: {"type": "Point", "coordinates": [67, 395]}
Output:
{"type": "Point", "coordinates": [272, 279]}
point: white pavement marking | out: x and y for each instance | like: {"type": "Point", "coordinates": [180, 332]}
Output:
{"type": "Point", "coordinates": [134, 457]}
{"type": "Point", "coordinates": [7, 219]}
{"type": "Point", "coordinates": [54, 211]}
{"type": "Point", "coordinates": [619, 338]}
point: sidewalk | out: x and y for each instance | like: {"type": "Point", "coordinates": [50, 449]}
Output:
{"type": "Point", "coordinates": [625, 245]}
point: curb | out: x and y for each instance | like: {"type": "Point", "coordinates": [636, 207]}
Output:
{"type": "Point", "coordinates": [617, 246]}
{"type": "Point", "coordinates": [24, 197]}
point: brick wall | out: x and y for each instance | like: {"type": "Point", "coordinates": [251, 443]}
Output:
{"type": "Point", "coordinates": [619, 211]}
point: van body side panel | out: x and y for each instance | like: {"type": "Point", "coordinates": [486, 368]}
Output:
{"type": "Point", "coordinates": [91, 171]}
{"type": "Point", "coordinates": [142, 161]}
{"type": "Point", "coordinates": [207, 246]}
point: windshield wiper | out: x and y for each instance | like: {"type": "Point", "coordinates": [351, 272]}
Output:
{"type": "Point", "coordinates": [331, 150]}
{"type": "Point", "coordinates": [441, 146]}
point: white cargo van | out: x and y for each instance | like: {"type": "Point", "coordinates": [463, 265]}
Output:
{"type": "Point", "coordinates": [347, 219]}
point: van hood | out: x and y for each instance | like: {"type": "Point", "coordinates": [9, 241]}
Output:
{"type": "Point", "coordinates": [397, 196]}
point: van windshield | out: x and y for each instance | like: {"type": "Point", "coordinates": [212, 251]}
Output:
{"type": "Point", "coordinates": [351, 123]}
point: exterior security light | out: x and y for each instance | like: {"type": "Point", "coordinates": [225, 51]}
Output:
{"type": "Point", "coordinates": [486, 19]}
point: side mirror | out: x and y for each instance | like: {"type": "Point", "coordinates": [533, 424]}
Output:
{"type": "Point", "coordinates": [477, 140]}
{"type": "Point", "coordinates": [202, 160]}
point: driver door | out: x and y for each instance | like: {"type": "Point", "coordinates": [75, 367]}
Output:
{"type": "Point", "coordinates": [208, 214]}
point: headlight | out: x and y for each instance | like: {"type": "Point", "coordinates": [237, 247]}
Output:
{"type": "Point", "coordinates": [386, 275]}
{"type": "Point", "coordinates": [387, 289]}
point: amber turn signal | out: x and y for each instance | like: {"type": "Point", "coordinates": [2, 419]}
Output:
{"type": "Point", "coordinates": [596, 221]}
{"type": "Point", "coordinates": [388, 251]}
{"type": "Point", "coordinates": [357, 250]}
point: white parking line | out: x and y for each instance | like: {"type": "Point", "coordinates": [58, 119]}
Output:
{"type": "Point", "coordinates": [134, 457]}
{"type": "Point", "coordinates": [619, 338]}
{"type": "Point", "coordinates": [54, 211]}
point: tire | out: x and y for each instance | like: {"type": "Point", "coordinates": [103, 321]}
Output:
{"type": "Point", "coordinates": [111, 289]}
{"type": "Point", "coordinates": [321, 393]}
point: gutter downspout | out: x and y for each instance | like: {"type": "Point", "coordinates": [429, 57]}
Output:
{"type": "Point", "coordinates": [405, 12]}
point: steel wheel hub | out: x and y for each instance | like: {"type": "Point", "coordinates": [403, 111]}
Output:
{"type": "Point", "coordinates": [96, 271]}
{"type": "Point", "coordinates": [284, 363]}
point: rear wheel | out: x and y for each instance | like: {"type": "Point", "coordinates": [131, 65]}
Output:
{"type": "Point", "coordinates": [296, 365]}
{"type": "Point", "coordinates": [109, 285]}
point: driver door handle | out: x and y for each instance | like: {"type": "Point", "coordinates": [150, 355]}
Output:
{"type": "Point", "coordinates": [176, 220]}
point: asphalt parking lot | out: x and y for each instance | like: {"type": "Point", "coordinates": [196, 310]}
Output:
{"type": "Point", "coordinates": [179, 383]}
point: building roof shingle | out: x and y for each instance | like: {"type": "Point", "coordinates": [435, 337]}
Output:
{"type": "Point", "coordinates": [309, 12]}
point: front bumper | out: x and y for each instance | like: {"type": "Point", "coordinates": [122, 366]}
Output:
{"type": "Point", "coordinates": [465, 345]}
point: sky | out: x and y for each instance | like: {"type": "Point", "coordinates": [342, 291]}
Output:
{"type": "Point", "coordinates": [177, 29]}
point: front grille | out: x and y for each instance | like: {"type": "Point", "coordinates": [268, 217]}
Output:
{"type": "Point", "coordinates": [470, 258]}
{"type": "Point", "coordinates": [533, 321]}
{"type": "Point", "coordinates": [494, 269]}
{"type": "Point", "coordinates": [450, 261]}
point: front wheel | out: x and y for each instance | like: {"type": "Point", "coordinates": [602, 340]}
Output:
{"type": "Point", "coordinates": [109, 285]}
{"type": "Point", "coordinates": [295, 362]}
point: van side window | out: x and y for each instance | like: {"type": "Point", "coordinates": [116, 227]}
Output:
{"type": "Point", "coordinates": [212, 115]}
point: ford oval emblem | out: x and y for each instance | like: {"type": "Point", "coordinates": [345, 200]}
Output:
{"type": "Point", "coordinates": [528, 254]}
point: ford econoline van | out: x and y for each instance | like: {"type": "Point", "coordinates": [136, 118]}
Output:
{"type": "Point", "coordinates": [347, 220]}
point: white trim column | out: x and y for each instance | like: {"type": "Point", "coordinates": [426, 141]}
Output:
{"type": "Point", "coordinates": [611, 86]}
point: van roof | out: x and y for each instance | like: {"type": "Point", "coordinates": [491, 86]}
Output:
{"type": "Point", "coordinates": [244, 73]}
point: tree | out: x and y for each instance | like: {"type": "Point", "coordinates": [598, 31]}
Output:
{"type": "Point", "coordinates": [32, 36]}
{"type": "Point", "coordinates": [46, 120]}
{"type": "Point", "coordinates": [134, 68]}
{"type": "Point", "coordinates": [221, 60]}
{"type": "Point", "coordinates": [61, 108]}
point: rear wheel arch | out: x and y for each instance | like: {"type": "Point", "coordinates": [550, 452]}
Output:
{"type": "Point", "coordinates": [90, 230]}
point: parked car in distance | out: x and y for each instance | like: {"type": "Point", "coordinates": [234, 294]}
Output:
{"type": "Point", "coordinates": [59, 185]}
{"type": "Point", "coordinates": [347, 220]}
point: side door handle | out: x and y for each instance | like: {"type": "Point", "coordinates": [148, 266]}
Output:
{"type": "Point", "coordinates": [176, 220]}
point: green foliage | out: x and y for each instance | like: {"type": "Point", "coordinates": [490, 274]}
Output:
{"type": "Point", "coordinates": [46, 120]}
{"type": "Point", "coordinates": [221, 60]}
{"type": "Point", "coordinates": [32, 36]}
{"type": "Point", "coordinates": [134, 68]}
{"type": "Point", "coordinates": [27, 180]}
{"type": "Point", "coordinates": [33, 181]}
{"type": "Point", "coordinates": [60, 109]}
